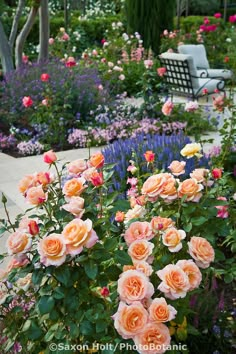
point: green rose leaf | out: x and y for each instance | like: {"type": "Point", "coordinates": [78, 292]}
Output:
{"type": "Point", "coordinates": [46, 304]}
{"type": "Point", "coordinates": [198, 220]}
{"type": "Point", "coordinates": [91, 269]}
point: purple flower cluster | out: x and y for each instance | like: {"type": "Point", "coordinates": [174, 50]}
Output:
{"type": "Point", "coordinates": [7, 142]}
{"type": "Point", "coordinates": [30, 147]}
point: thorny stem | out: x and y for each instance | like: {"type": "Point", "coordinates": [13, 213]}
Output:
{"type": "Point", "coordinates": [4, 200]}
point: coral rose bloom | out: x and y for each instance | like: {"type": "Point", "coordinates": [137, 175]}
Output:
{"type": "Point", "coordinates": [75, 206]}
{"type": "Point", "coordinates": [172, 239]}
{"type": "Point", "coordinates": [175, 283]}
{"type": "Point", "coordinates": [52, 250]}
{"type": "Point", "coordinates": [154, 339]}
{"type": "Point", "coordinates": [149, 156]}
{"type": "Point", "coordinates": [192, 271]}
{"type": "Point", "coordinates": [130, 319]}
{"type": "Point", "coordinates": [18, 242]}
{"type": "Point", "coordinates": [177, 167]}
{"type": "Point", "coordinates": [158, 223]}
{"type": "Point", "coordinates": [167, 108]}
{"type": "Point", "coordinates": [153, 186]}
{"type": "Point", "coordinates": [133, 285]}
{"type": "Point", "coordinates": [74, 187]}
{"type": "Point", "coordinates": [27, 101]}
{"type": "Point", "coordinates": [138, 230]}
{"type": "Point", "coordinates": [161, 71]}
{"type": "Point", "coordinates": [96, 160]}
{"type": "Point", "coordinates": [25, 183]}
{"type": "Point", "coordinates": [191, 189]}
{"type": "Point", "coordinates": [79, 233]}
{"type": "Point", "coordinates": [140, 250]}
{"type": "Point", "coordinates": [77, 166]}
{"type": "Point", "coordinates": [202, 251]}
{"type": "Point", "coordinates": [160, 311]}
{"type": "Point", "coordinates": [36, 195]}
{"type": "Point", "coordinates": [191, 150]}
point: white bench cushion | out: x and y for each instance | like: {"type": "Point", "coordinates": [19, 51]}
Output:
{"type": "Point", "coordinates": [198, 52]}
{"type": "Point", "coordinates": [215, 73]}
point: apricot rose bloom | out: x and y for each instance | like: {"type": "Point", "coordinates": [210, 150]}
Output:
{"type": "Point", "coordinates": [172, 239]}
{"type": "Point", "coordinates": [36, 195]}
{"type": "Point", "coordinates": [77, 166]}
{"type": "Point", "coordinates": [130, 319]}
{"type": "Point", "coordinates": [75, 206]}
{"type": "Point", "coordinates": [167, 108]}
{"type": "Point", "coordinates": [193, 272]}
{"type": "Point", "coordinates": [138, 230]}
{"type": "Point", "coordinates": [175, 282]}
{"type": "Point", "coordinates": [191, 189]}
{"type": "Point", "coordinates": [160, 311]}
{"type": "Point", "coordinates": [133, 286]}
{"type": "Point", "coordinates": [96, 160]}
{"type": "Point", "coordinates": [144, 267]}
{"type": "Point", "coordinates": [200, 174]}
{"type": "Point", "coordinates": [52, 250]}
{"type": "Point", "coordinates": [191, 150]}
{"type": "Point", "coordinates": [169, 191]}
{"type": "Point", "coordinates": [77, 234]}
{"type": "Point", "coordinates": [49, 157]}
{"type": "Point", "coordinates": [154, 339]}
{"type": "Point", "coordinates": [154, 185]}
{"type": "Point", "coordinates": [73, 187]}
{"type": "Point", "coordinates": [177, 167]}
{"type": "Point", "coordinates": [140, 250]}
{"type": "Point", "coordinates": [25, 183]}
{"type": "Point", "coordinates": [201, 251]}
{"type": "Point", "coordinates": [18, 242]}
{"type": "Point", "coordinates": [158, 223]}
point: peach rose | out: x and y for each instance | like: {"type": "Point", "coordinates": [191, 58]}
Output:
{"type": "Point", "coordinates": [153, 186]}
{"type": "Point", "coordinates": [140, 250]}
{"type": "Point", "coordinates": [52, 250]}
{"type": "Point", "coordinates": [169, 191]}
{"type": "Point", "coordinates": [154, 339]}
{"type": "Point", "coordinates": [191, 189]}
{"type": "Point", "coordinates": [44, 178]}
{"type": "Point", "coordinates": [73, 187]}
{"type": "Point", "coordinates": [192, 271]}
{"type": "Point", "coordinates": [138, 230]}
{"type": "Point", "coordinates": [199, 174]}
{"type": "Point", "coordinates": [160, 311]}
{"type": "Point", "coordinates": [79, 233]}
{"type": "Point", "coordinates": [158, 223]}
{"type": "Point", "coordinates": [134, 286]}
{"type": "Point", "coordinates": [77, 166]}
{"type": "Point", "coordinates": [167, 108]}
{"type": "Point", "coordinates": [177, 167]}
{"type": "Point", "coordinates": [137, 212]}
{"type": "Point", "coordinates": [25, 183]}
{"type": "Point", "coordinates": [96, 160]}
{"type": "Point", "coordinates": [202, 251]}
{"type": "Point", "coordinates": [172, 239]}
{"type": "Point", "coordinates": [18, 261]}
{"type": "Point", "coordinates": [143, 267]}
{"type": "Point", "coordinates": [36, 195]}
{"type": "Point", "coordinates": [18, 242]}
{"type": "Point", "coordinates": [130, 319]}
{"type": "Point", "coordinates": [191, 150]}
{"type": "Point", "coordinates": [119, 217]}
{"type": "Point", "coordinates": [49, 157]}
{"type": "Point", "coordinates": [3, 293]}
{"type": "Point", "coordinates": [75, 206]}
{"type": "Point", "coordinates": [175, 283]}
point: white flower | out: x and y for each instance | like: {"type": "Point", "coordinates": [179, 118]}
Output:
{"type": "Point", "coordinates": [125, 36]}
{"type": "Point", "coordinates": [229, 40]}
{"type": "Point", "coordinates": [191, 106]}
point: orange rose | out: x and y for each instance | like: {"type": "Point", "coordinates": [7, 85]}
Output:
{"type": "Point", "coordinates": [18, 242]}
{"type": "Point", "coordinates": [120, 215]}
{"type": "Point", "coordinates": [138, 230]}
{"type": "Point", "coordinates": [79, 233]}
{"type": "Point", "coordinates": [177, 167]}
{"type": "Point", "coordinates": [154, 339]}
{"type": "Point", "coordinates": [134, 286]}
{"type": "Point", "coordinates": [36, 195]}
{"type": "Point", "coordinates": [25, 183]}
{"type": "Point", "coordinates": [52, 250]}
{"type": "Point", "coordinates": [160, 311]}
{"type": "Point", "coordinates": [175, 283]}
{"type": "Point", "coordinates": [192, 271]}
{"type": "Point", "coordinates": [202, 251]}
{"type": "Point", "coordinates": [74, 187]}
{"type": "Point", "coordinates": [172, 239]}
{"type": "Point", "coordinates": [159, 223]}
{"type": "Point", "coordinates": [140, 250]}
{"type": "Point", "coordinates": [130, 319]}
{"type": "Point", "coordinates": [96, 160]}
{"type": "Point", "coordinates": [153, 186]}
{"type": "Point", "coordinates": [191, 189]}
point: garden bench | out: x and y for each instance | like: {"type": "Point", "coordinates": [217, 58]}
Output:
{"type": "Point", "coordinates": [182, 79]}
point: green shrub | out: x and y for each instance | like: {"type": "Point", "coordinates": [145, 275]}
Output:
{"type": "Point", "coordinates": [191, 23]}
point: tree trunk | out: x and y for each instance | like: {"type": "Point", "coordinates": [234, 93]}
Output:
{"type": "Point", "coordinates": [178, 13]}
{"type": "Point", "coordinates": [5, 52]}
{"type": "Point", "coordinates": [187, 8]}
{"type": "Point", "coordinates": [225, 10]}
{"type": "Point", "coordinates": [43, 30]}
{"type": "Point", "coordinates": [15, 23]}
{"type": "Point", "coordinates": [66, 14]}
{"type": "Point", "coordinates": [21, 38]}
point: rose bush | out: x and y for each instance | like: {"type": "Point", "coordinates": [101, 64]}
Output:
{"type": "Point", "coordinates": [89, 268]}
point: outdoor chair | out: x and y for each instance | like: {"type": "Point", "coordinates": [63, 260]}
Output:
{"type": "Point", "coordinates": [198, 53]}
{"type": "Point", "coordinates": [181, 77]}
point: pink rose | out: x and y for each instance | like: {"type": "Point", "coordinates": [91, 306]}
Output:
{"type": "Point", "coordinates": [192, 271]}
{"type": "Point", "coordinates": [77, 166]}
{"type": "Point", "coordinates": [130, 319]}
{"type": "Point", "coordinates": [160, 311]}
{"type": "Point", "coordinates": [36, 195]}
{"type": "Point", "coordinates": [51, 41]}
{"type": "Point", "coordinates": [175, 283]}
{"type": "Point", "coordinates": [223, 212]}
{"type": "Point", "coordinates": [18, 242]}
{"type": "Point", "coordinates": [148, 63]}
{"type": "Point", "coordinates": [20, 260]}
{"type": "Point", "coordinates": [134, 286]}
{"type": "Point", "coordinates": [65, 37]}
{"type": "Point", "coordinates": [52, 250]}
{"type": "Point", "coordinates": [75, 206]}
{"type": "Point", "coordinates": [27, 101]}
{"type": "Point", "coordinates": [167, 108]}
{"type": "Point", "coordinates": [216, 173]}
{"type": "Point", "coordinates": [177, 167]}
{"type": "Point", "coordinates": [200, 174]}
{"type": "Point", "coordinates": [70, 62]}
{"type": "Point", "coordinates": [202, 251]}
{"type": "Point", "coordinates": [161, 71]}
{"type": "Point", "coordinates": [138, 230]}
{"type": "Point", "coordinates": [45, 77]}
{"type": "Point", "coordinates": [49, 157]}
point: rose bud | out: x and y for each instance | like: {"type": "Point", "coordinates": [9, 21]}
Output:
{"type": "Point", "coordinates": [97, 179]}
{"type": "Point", "coordinates": [33, 227]}
{"type": "Point", "coordinates": [149, 156]}
{"type": "Point", "coordinates": [49, 157]}
{"type": "Point", "coordinates": [105, 291]}
{"type": "Point", "coordinates": [120, 215]}
{"type": "Point", "coordinates": [216, 173]}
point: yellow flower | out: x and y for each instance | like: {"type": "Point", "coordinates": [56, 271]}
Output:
{"type": "Point", "coordinates": [191, 150]}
